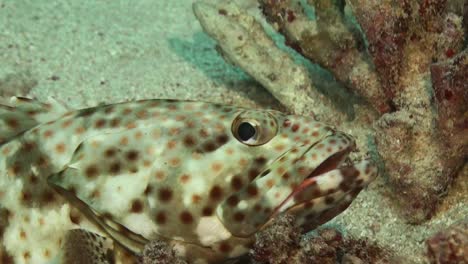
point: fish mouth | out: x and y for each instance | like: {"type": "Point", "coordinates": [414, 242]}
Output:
{"type": "Point", "coordinates": [306, 190]}
{"type": "Point", "coordinates": [335, 161]}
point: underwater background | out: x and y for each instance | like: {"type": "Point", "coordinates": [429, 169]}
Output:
{"type": "Point", "coordinates": [376, 70]}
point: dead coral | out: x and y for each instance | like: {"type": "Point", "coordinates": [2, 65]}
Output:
{"type": "Point", "coordinates": [449, 246]}
{"type": "Point", "coordinates": [283, 243]}
{"type": "Point", "coordinates": [411, 70]}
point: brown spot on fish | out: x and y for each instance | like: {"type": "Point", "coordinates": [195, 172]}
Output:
{"type": "Point", "coordinates": [48, 133]}
{"type": "Point", "coordinates": [115, 122]}
{"type": "Point", "coordinates": [95, 194]}
{"type": "Point", "coordinates": [236, 183]}
{"type": "Point", "coordinates": [209, 147]}
{"type": "Point", "coordinates": [79, 130]}
{"type": "Point", "coordinates": [253, 173]}
{"type": "Point", "coordinates": [16, 168]}
{"type": "Point", "coordinates": [239, 216]}
{"type": "Point", "coordinates": [222, 139]}
{"type": "Point", "coordinates": [126, 111]}
{"type": "Point", "coordinates": [86, 112]}
{"type": "Point", "coordinates": [216, 166]}
{"type": "Point", "coordinates": [60, 147]}
{"type": "Point", "coordinates": [114, 167]}
{"type": "Point", "coordinates": [75, 216]}
{"type": "Point", "coordinates": [110, 152]}
{"type": "Point", "coordinates": [160, 175]}
{"type": "Point", "coordinates": [196, 198]}
{"type": "Point", "coordinates": [22, 235]}
{"type": "Point", "coordinates": [48, 197]}
{"type": "Point", "coordinates": [124, 140]}
{"type": "Point", "coordinates": [131, 125]}
{"type": "Point", "coordinates": [12, 123]}
{"type": "Point", "coordinates": [161, 218]}
{"type": "Point", "coordinates": [252, 190]}
{"type": "Point", "coordinates": [171, 144]}
{"type": "Point", "coordinates": [100, 123]}
{"type": "Point", "coordinates": [329, 200]}
{"type": "Point", "coordinates": [224, 247]}
{"type": "Point", "coordinates": [137, 206]}
{"type": "Point", "coordinates": [148, 190]}
{"type": "Point", "coordinates": [91, 171]}
{"type": "Point", "coordinates": [184, 178]}
{"type": "Point", "coordinates": [132, 155]}
{"type": "Point", "coordinates": [186, 217]}
{"type": "Point", "coordinates": [216, 193]}
{"type": "Point", "coordinates": [142, 114]}
{"type": "Point", "coordinates": [270, 183]}
{"type": "Point", "coordinates": [232, 200]}
{"type": "Point", "coordinates": [28, 146]}
{"type": "Point", "coordinates": [207, 211]}
{"type": "Point", "coordinates": [295, 127]}
{"type": "Point", "coordinates": [174, 162]}
{"type": "Point", "coordinates": [174, 131]}
{"type": "Point", "coordinates": [138, 135]}
{"type": "Point", "coordinates": [67, 123]}
{"type": "Point", "coordinates": [165, 194]}
{"type": "Point", "coordinates": [189, 141]}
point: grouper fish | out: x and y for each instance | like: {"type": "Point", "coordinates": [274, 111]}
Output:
{"type": "Point", "coordinates": [78, 185]}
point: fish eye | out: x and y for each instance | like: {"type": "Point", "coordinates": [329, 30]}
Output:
{"type": "Point", "coordinates": [246, 131]}
{"type": "Point", "coordinates": [254, 128]}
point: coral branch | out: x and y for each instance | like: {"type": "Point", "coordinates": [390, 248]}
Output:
{"type": "Point", "coordinates": [451, 97]}
{"type": "Point", "coordinates": [245, 44]}
{"type": "Point", "coordinates": [331, 43]}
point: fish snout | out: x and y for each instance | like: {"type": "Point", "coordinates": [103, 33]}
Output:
{"type": "Point", "coordinates": [303, 173]}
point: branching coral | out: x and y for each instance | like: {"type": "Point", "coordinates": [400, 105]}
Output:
{"type": "Point", "coordinates": [405, 58]}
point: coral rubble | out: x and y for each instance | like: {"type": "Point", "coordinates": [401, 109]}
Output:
{"type": "Point", "coordinates": [404, 58]}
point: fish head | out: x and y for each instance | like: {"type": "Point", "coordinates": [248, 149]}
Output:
{"type": "Point", "coordinates": [307, 172]}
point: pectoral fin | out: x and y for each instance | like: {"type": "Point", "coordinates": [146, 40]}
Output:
{"type": "Point", "coordinates": [126, 238]}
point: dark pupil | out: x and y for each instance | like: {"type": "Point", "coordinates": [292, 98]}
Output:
{"type": "Point", "coordinates": [246, 131]}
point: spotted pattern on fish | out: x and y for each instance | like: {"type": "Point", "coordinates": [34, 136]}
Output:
{"type": "Point", "coordinates": [204, 177]}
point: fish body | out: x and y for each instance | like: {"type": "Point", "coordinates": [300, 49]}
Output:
{"type": "Point", "coordinates": [204, 177]}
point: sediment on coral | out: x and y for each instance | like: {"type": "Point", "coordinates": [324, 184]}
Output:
{"type": "Point", "coordinates": [405, 58]}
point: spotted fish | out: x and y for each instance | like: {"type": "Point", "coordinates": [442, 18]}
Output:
{"type": "Point", "coordinates": [204, 177]}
